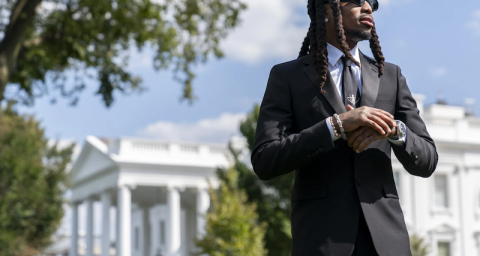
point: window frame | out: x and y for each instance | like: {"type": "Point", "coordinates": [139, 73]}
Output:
{"type": "Point", "coordinates": [438, 210]}
{"type": "Point", "coordinates": [448, 203]}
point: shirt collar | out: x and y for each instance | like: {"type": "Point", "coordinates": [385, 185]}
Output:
{"type": "Point", "coordinates": [334, 54]}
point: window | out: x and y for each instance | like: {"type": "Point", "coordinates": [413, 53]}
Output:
{"type": "Point", "coordinates": [441, 191]}
{"type": "Point", "coordinates": [443, 249]}
{"type": "Point", "coordinates": [137, 238]}
{"type": "Point", "coordinates": [162, 232]}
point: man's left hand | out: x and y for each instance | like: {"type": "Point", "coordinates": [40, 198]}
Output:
{"type": "Point", "coordinates": [364, 136]}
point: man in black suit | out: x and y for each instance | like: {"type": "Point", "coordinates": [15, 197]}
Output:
{"type": "Point", "coordinates": [333, 115]}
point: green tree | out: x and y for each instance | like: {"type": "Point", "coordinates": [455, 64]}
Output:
{"type": "Point", "coordinates": [271, 197]}
{"type": "Point", "coordinates": [92, 38]}
{"type": "Point", "coordinates": [418, 246]}
{"type": "Point", "coordinates": [232, 227]}
{"type": "Point", "coordinates": [32, 175]}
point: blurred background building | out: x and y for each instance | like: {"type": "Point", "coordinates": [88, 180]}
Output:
{"type": "Point", "coordinates": [154, 193]}
{"type": "Point", "coordinates": [158, 192]}
{"type": "Point", "coordinates": [445, 208]}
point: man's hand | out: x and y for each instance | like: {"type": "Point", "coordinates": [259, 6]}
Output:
{"type": "Point", "coordinates": [364, 136]}
{"type": "Point", "coordinates": [378, 119]}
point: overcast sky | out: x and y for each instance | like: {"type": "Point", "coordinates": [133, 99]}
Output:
{"type": "Point", "coordinates": [434, 42]}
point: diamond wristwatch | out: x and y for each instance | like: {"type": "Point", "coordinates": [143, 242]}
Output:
{"type": "Point", "coordinates": [401, 130]}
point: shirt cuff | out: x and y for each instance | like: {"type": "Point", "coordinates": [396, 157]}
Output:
{"type": "Point", "coordinates": [330, 128]}
{"type": "Point", "coordinates": [400, 141]}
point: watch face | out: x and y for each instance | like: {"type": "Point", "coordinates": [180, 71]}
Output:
{"type": "Point", "coordinates": [402, 129]}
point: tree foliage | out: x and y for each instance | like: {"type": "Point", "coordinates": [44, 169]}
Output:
{"type": "Point", "coordinates": [271, 197]}
{"type": "Point", "coordinates": [92, 38]}
{"type": "Point", "coordinates": [232, 226]}
{"type": "Point", "coordinates": [418, 246]}
{"type": "Point", "coordinates": [31, 185]}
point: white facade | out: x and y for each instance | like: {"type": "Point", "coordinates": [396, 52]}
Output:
{"type": "Point", "coordinates": [159, 190]}
{"type": "Point", "coordinates": [445, 208]}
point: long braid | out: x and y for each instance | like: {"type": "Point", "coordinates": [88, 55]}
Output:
{"type": "Point", "coordinates": [320, 53]}
{"type": "Point", "coordinates": [377, 50]}
{"type": "Point", "coordinates": [342, 40]}
{"type": "Point", "coordinates": [306, 42]}
{"type": "Point", "coordinates": [305, 46]}
{"type": "Point", "coordinates": [312, 32]}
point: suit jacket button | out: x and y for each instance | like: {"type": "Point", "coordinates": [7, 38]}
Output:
{"type": "Point", "coordinates": [414, 156]}
{"type": "Point", "coordinates": [359, 181]}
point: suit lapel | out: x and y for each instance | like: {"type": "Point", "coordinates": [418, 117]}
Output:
{"type": "Point", "coordinates": [331, 95]}
{"type": "Point", "coordinates": [370, 82]}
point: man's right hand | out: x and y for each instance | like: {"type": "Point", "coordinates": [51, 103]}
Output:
{"type": "Point", "coordinates": [378, 119]}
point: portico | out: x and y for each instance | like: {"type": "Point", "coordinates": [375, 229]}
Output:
{"type": "Point", "coordinates": [159, 191]}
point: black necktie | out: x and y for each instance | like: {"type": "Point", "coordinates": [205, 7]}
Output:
{"type": "Point", "coordinates": [351, 92]}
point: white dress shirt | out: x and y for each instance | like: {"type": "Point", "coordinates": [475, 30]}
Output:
{"type": "Point", "coordinates": [335, 66]}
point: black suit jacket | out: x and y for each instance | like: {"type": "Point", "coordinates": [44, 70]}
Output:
{"type": "Point", "coordinates": [332, 182]}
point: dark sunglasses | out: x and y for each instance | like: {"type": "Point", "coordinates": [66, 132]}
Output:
{"type": "Point", "coordinates": [373, 3]}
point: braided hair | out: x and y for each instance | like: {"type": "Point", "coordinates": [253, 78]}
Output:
{"type": "Point", "coordinates": [316, 40]}
{"type": "Point", "coordinates": [377, 50]}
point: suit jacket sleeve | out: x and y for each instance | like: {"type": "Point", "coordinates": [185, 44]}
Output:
{"type": "Point", "coordinates": [279, 148]}
{"type": "Point", "coordinates": [419, 155]}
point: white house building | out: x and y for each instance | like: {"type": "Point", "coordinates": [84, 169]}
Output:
{"type": "Point", "coordinates": [445, 208]}
{"type": "Point", "coordinates": [159, 191]}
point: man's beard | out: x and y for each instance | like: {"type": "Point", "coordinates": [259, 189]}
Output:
{"type": "Point", "coordinates": [358, 35]}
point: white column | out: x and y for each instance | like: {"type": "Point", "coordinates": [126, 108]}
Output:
{"type": "Point", "coordinates": [124, 216]}
{"type": "Point", "coordinates": [106, 203]}
{"type": "Point", "coordinates": [173, 222]}
{"type": "Point", "coordinates": [74, 230]}
{"type": "Point", "coordinates": [203, 203]}
{"type": "Point", "coordinates": [89, 238]}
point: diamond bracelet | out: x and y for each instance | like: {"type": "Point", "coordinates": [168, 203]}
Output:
{"type": "Point", "coordinates": [339, 124]}
{"type": "Point", "coordinates": [334, 128]}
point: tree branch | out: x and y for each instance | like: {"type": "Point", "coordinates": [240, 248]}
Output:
{"type": "Point", "coordinates": [17, 10]}
{"type": "Point", "coordinates": [21, 17]}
